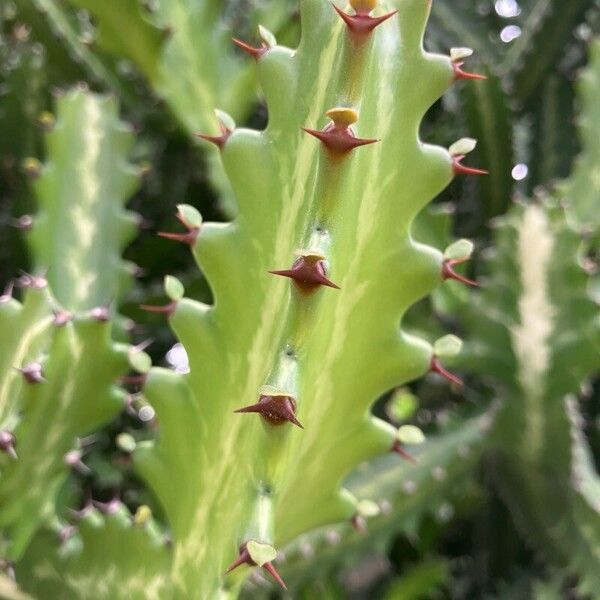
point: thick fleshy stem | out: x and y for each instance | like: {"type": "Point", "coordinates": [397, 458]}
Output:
{"type": "Point", "coordinates": [448, 271]}
{"type": "Point", "coordinates": [437, 367]}
{"type": "Point", "coordinates": [275, 409]}
{"type": "Point", "coordinates": [308, 273]}
{"type": "Point", "coordinates": [244, 558]}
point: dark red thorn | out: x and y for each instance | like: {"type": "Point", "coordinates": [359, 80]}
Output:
{"type": "Point", "coordinates": [276, 410]}
{"type": "Point", "coordinates": [272, 571]}
{"type": "Point", "coordinates": [218, 140]}
{"type": "Point", "coordinates": [255, 53]}
{"type": "Point", "coordinates": [359, 524]}
{"type": "Point", "coordinates": [244, 558]}
{"type": "Point", "coordinates": [448, 271]}
{"type": "Point", "coordinates": [437, 367]}
{"type": "Point", "coordinates": [62, 317]}
{"type": "Point", "coordinates": [308, 273]}
{"type": "Point", "coordinates": [8, 443]}
{"type": "Point", "coordinates": [32, 373]}
{"type": "Point", "coordinates": [338, 141]}
{"type": "Point", "coordinates": [100, 313]}
{"type": "Point", "coordinates": [137, 380]}
{"type": "Point", "coordinates": [167, 309]}
{"type": "Point", "coordinates": [400, 451]}
{"type": "Point", "coordinates": [362, 24]}
{"type": "Point", "coordinates": [185, 238]}
{"type": "Point", "coordinates": [460, 74]}
{"type": "Point", "coordinates": [460, 169]}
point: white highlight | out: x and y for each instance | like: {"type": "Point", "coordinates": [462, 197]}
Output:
{"type": "Point", "coordinates": [510, 33]}
{"type": "Point", "coordinates": [520, 172]}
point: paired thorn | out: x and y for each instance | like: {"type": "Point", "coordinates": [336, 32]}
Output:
{"type": "Point", "coordinates": [74, 460]}
{"type": "Point", "coordinates": [362, 24]}
{"type": "Point", "coordinates": [255, 53]}
{"type": "Point", "coordinates": [244, 558]}
{"type": "Point", "coordinates": [308, 273]}
{"type": "Point", "coordinates": [448, 271]}
{"type": "Point", "coordinates": [218, 140]}
{"type": "Point", "coordinates": [460, 169]}
{"type": "Point", "coordinates": [275, 408]}
{"type": "Point", "coordinates": [32, 373]}
{"type": "Point", "coordinates": [400, 451]}
{"type": "Point", "coordinates": [460, 74]}
{"type": "Point", "coordinates": [437, 367]}
{"type": "Point", "coordinates": [166, 309]}
{"type": "Point", "coordinates": [8, 443]}
{"type": "Point", "coordinates": [189, 237]}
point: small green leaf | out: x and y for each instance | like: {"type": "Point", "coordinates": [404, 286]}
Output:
{"type": "Point", "coordinates": [447, 346]}
{"type": "Point", "coordinates": [457, 54]}
{"type": "Point", "coordinates": [125, 442]}
{"type": "Point", "coordinates": [463, 146]}
{"type": "Point", "coordinates": [225, 119]}
{"type": "Point", "coordinates": [459, 250]}
{"type": "Point", "coordinates": [267, 36]}
{"type": "Point", "coordinates": [139, 361]}
{"type": "Point", "coordinates": [174, 288]}
{"type": "Point", "coordinates": [189, 215]}
{"type": "Point", "coordinates": [261, 553]}
{"type": "Point", "coordinates": [142, 515]}
{"type": "Point", "coordinates": [410, 435]}
{"type": "Point", "coordinates": [402, 405]}
{"type": "Point", "coordinates": [368, 508]}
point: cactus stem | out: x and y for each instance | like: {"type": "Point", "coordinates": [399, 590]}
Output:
{"type": "Point", "coordinates": [400, 451]}
{"type": "Point", "coordinates": [166, 309]}
{"type": "Point", "coordinates": [255, 53]}
{"type": "Point", "coordinates": [245, 559]}
{"type": "Point", "coordinates": [448, 272]}
{"type": "Point", "coordinates": [437, 367]}
{"type": "Point", "coordinates": [460, 74]}
{"type": "Point", "coordinates": [276, 409]}
{"type": "Point", "coordinates": [308, 273]}
{"type": "Point", "coordinates": [218, 140]}
{"type": "Point", "coordinates": [32, 373]}
{"type": "Point", "coordinates": [460, 169]}
{"type": "Point", "coordinates": [362, 24]}
{"type": "Point", "coordinates": [8, 443]}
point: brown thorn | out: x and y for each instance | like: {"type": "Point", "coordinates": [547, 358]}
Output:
{"type": "Point", "coordinates": [362, 24]}
{"type": "Point", "coordinates": [185, 238]}
{"type": "Point", "coordinates": [255, 53]}
{"type": "Point", "coordinates": [167, 309]}
{"type": "Point", "coordinates": [400, 451]}
{"type": "Point", "coordinates": [272, 571]}
{"type": "Point", "coordinates": [448, 272]}
{"type": "Point", "coordinates": [460, 169]}
{"type": "Point", "coordinates": [460, 74]}
{"type": "Point", "coordinates": [437, 367]}
{"type": "Point", "coordinates": [276, 410]}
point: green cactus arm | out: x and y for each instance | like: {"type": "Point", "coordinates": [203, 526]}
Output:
{"type": "Point", "coordinates": [545, 32]}
{"type": "Point", "coordinates": [582, 188]}
{"type": "Point", "coordinates": [100, 558]}
{"type": "Point", "coordinates": [404, 493]}
{"type": "Point", "coordinates": [356, 212]}
{"type": "Point", "coordinates": [59, 337]}
{"type": "Point", "coordinates": [81, 226]}
{"type": "Point", "coordinates": [538, 335]}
